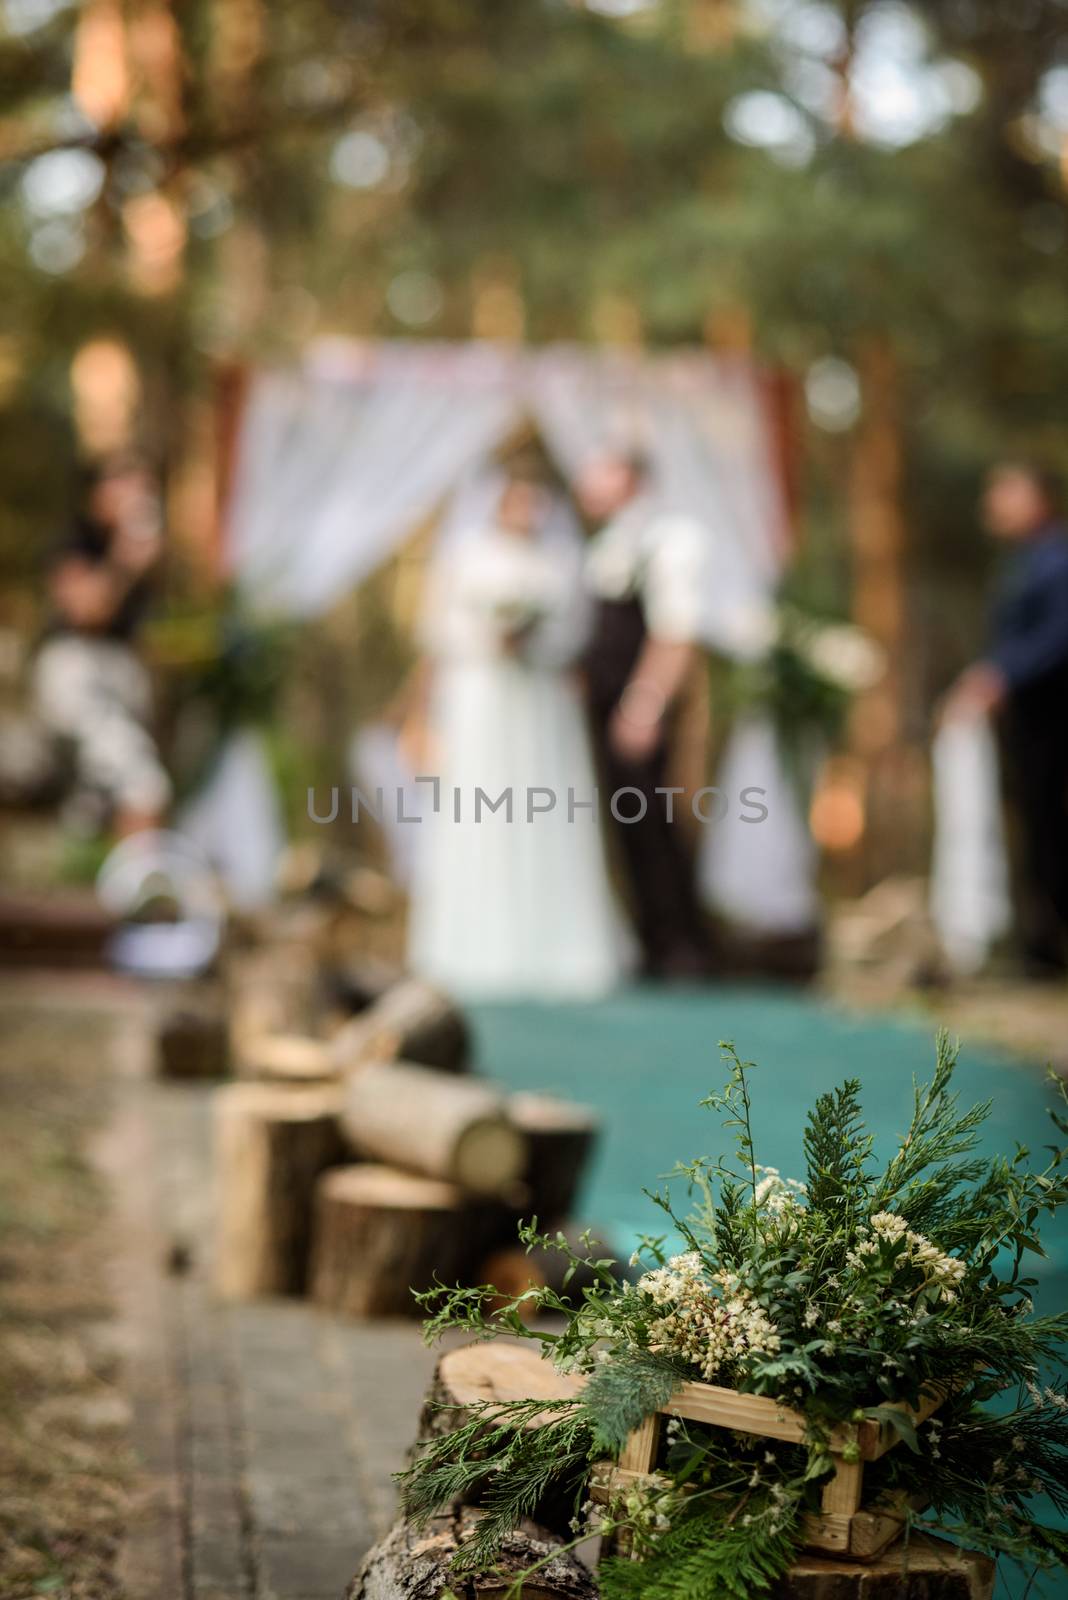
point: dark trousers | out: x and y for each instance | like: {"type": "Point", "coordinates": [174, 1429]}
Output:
{"type": "Point", "coordinates": [658, 864]}
{"type": "Point", "coordinates": [1034, 746]}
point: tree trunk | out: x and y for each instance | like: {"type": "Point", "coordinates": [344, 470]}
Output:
{"type": "Point", "coordinates": [412, 1021]}
{"type": "Point", "coordinates": [896, 791]}
{"type": "Point", "coordinates": [271, 1145]}
{"type": "Point", "coordinates": [380, 1234]}
{"type": "Point", "coordinates": [445, 1127]}
{"type": "Point", "coordinates": [417, 1565]}
{"type": "Point", "coordinates": [560, 1138]}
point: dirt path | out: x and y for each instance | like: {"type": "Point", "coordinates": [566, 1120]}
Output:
{"type": "Point", "coordinates": [226, 1453]}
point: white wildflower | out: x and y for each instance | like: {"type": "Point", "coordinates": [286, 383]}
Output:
{"type": "Point", "coordinates": [709, 1319]}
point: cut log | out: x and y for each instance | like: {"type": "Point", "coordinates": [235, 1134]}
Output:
{"type": "Point", "coordinates": [192, 1044]}
{"type": "Point", "coordinates": [512, 1270]}
{"type": "Point", "coordinates": [272, 990]}
{"type": "Point", "coordinates": [354, 985]}
{"type": "Point", "coordinates": [411, 1564]}
{"type": "Point", "coordinates": [929, 1569]}
{"type": "Point", "coordinates": [456, 1129]}
{"type": "Point", "coordinates": [412, 1021]}
{"type": "Point", "coordinates": [271, 1145]}
{"type": "Point", "coordinates": [500, 1369]}
{"type": "Point", "coordinates": [503, 1369]}
{"type": "Point", "coordinates": [287, 1058]}
{"type": "Point", "coordinates": [560, 1139]}
{"type": "Point", "coordinates": [380, 1234]}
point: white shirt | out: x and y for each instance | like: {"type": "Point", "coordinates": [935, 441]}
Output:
{"type": "Point", "coordinates": [659, 556]}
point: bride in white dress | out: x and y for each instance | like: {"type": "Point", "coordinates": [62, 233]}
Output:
{"type": "Point", "coordinates": [517, 905]}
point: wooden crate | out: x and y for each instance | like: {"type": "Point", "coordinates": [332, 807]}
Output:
{"type": "Point", "coordinates": [843, 1527]}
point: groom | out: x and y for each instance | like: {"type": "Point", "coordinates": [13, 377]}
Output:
{"type": "Point", "coordinates": [644, 571]}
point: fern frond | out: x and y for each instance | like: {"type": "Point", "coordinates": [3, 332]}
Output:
{"type": "Point", "coordinates": [625, 1390]}
{"type": "Point", "coordinates": [708, 1556]}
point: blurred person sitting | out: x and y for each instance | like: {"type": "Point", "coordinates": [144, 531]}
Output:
{"type": "Point", "coordinates": [91, 690]}
{"type": "Point", "coordinates": [1022, 679]}
{"type": "Point", "coordinates": [644, 569]}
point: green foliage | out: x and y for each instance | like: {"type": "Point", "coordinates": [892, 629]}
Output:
{"type": "Point", "coordinates": [581, 157]}
{"type": "Point", "coordinates": [837, 1153]}
{"type": "Point", "coordinates": [840, 1298]}
{"type": "Point", "coordinates": [728, 1556]}
{"type": "Point", "coordinates": [513, 1463]}
{"type": "Point", "coordinates": [621, 1393]}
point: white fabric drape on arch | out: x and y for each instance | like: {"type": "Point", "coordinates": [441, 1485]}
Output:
{"type": "Point", "coordinates": [339, 460]}
{"type": "Point", "coordinates": [970, 897]}
{"type": "Point", "coordinates": [759, 872]}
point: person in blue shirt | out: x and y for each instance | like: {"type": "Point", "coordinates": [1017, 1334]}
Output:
{"type": "Point", "coordinates": [1022, 680]}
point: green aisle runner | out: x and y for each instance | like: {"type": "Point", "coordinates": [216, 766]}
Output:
{"type": "Point", "coordinates": [645, 1058]}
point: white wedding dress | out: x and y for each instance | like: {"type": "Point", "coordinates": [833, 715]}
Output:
{"type": "Point", "coordinates": [522, 906]}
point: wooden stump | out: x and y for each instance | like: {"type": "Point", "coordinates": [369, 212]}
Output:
{"type": "Point", "coordinates": [929, 1570]}
{"type": "Point", "coordinates": [500, 1369]}
{"type": "Point", "coordinates": [456, 1129]}
{"type": "Point", "coordinates": [411, 1565]}
{"type": "Point", "coordinates": [412, 1021]}
{"type": "Point", "coordinates": [351, 986]}
{"type": "Point", "coordinates": [560, 1138]}
{"type": "Point", "coordinates": [273, 990]}
{"type": "Point", "coordinates": [192, 1044]}
{"type": "Point", "coordinates": [504, 1369]}
{"type": "Point", "coordinates": [287, 1058]}
{"type": "Point", "coordinates": [380, 1233]}
{"type": "Point", "coordinates": [271, 1145]}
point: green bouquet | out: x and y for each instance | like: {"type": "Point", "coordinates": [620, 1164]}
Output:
{"type": "Point", "coordinates": [850, 1297]}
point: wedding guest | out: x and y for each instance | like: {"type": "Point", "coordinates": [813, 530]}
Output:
{"type": "Point", "coordinates": [1023, 680]}
{"type": "Point", "coordinates": [644, 569]}
{"type": "Point", "coordinates": [510, 894]}
{"type": "Point", "coordinates": [91, 689]}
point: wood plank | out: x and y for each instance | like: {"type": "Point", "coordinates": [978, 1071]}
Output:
{"type": "Point", "coordinates": [829, 1532]}
{"type": "Point", "coordinates": [745, 1413]}
{"type": "Point", "coordinates": [639, 1452]}
{"type": "Point", "coordinates": [876, 1438]}
{"type": "Point", "coordinates": [842, 1492]}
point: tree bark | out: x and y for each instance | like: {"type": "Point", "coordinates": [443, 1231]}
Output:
{"type": "Point", "coordinates": [560, 1138]}
{"type": "Point", "coordinates": [271, 1145]}
{"type": "Point", "coordinates": [456, 1129]}
{"type": "Point", "coordinates": [417, 1565]}
{"type": "Point", "coordinates": [412, 1021]}
{"type": "Point", "coordinates": [380, 1234]}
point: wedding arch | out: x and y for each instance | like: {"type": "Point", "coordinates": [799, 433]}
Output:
{"type": "Point", "coordinates": [338, 459]}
